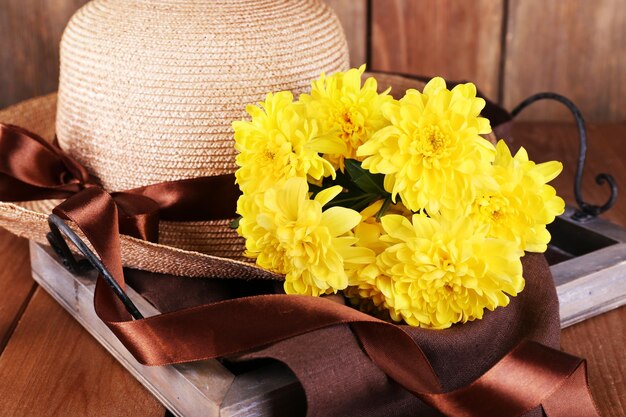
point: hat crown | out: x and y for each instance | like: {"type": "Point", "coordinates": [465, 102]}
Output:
{"type": "Point", "coordinates": [149, 88]}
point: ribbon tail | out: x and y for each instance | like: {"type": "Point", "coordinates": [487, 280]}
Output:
{"type": "Point", "coordinates": [573, 397]}
{"type": "Point", "coordinates": [94, 211]}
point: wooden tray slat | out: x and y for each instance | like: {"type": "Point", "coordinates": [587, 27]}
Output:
{"type": "Point", "coordinates": [199, 389]}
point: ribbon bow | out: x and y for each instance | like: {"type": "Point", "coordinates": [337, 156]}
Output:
{"type": "Point", "coordinates": [31, 168]}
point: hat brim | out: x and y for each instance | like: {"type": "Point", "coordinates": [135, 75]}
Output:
{"type": "Point", "coordinates": [29, 219]}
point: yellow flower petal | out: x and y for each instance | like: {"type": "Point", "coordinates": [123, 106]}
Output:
{"type": "Point", "coordinates": [549, 170]}
{"type": "Point", "coordinates": [397, 227]}
{"type": "Point", "coordinates": [447, 272]}
{"type": "Point", "coordinates": [287, 232]}
{"type": "Point", "coordinates": [280, 142]}
{"type": "Point", "coordinates": [340, 220]}
{"type": "Point", "coordinates": [347, 110]}
{"type": "Point", "coordinates": [326, 195]}
{"type": "Point", "coordinates": [434, 86]}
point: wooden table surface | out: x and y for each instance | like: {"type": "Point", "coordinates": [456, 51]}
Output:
{"type": "Point", "coordinates": [50, 366]}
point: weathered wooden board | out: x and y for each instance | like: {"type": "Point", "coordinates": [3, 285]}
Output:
{"type": "Point", "coordinates": [13, 280]}
{"type": "Point", "coordinates": [601, 341]}
{"type": "Point", "coordinates": [573, 47]}
{"type": "Point", "coordinates": [30, 33]}
{"type": "Point", "coordinates": [204, 388]}
{"type": "Point", "coordinates": [353, 17]}
{"type": "Point", "coordinates": [595, 282]}
{"type": "Point", "coordinates": [454, 39]}
{"type": "Point", "coordinates": [51, 367]}
{"type": "Point", "coordinates": [548, 141]}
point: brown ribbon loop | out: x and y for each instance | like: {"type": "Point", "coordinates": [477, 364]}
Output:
{"type": "Point", "coordinates": [33, 169]}
{"type": "Point", "coordinates": [529, 376]}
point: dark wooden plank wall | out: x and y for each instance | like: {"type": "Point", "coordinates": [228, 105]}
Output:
{"type": "Point", "coordinates": [574, 47]}
{"type": "Point", "coordinates": [454, 39]}
{"type": "Point", "coordinates": [510, 48]}
{"type": "Point", "coordinates": [30, 32]}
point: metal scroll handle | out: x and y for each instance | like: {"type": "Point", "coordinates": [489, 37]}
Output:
{"type": "Point", "coordinates": [585, 210]}
{"type": "Point", "coordinates": [59, 230]}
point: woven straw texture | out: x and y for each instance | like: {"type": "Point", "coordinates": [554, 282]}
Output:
{"type": "Point", "coordinates": [155, 84]}
{"type": "Point", "coordinates": [149, 88]}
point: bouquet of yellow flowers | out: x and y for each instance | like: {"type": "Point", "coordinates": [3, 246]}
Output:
{"type": "Point", "coordinates": [400, 204]}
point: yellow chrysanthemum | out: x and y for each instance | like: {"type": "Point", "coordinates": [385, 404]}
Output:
{"type": "Point", "coordinates": [288, 233]}
{"type": "Point", "coordinates": [432, 154]}
{"type": "Point", "coordinates": [279, 143]}
{"type": "Point", "coordinates": [369, 289]}
{"type": "Point", "coordinates": [350, 111]}
{"type": "Point", "coordinates": [523, 204]}
{"type": "Point", "coordinates": [444, 271]}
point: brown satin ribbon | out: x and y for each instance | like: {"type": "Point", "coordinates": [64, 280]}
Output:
{"type": "Point", "coordinates": [33, 169]}
{"type": "Point", "coordinates": [528, 376]}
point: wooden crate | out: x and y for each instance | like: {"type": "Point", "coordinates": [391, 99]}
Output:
{"type": "Point", "coordinates": [587, 284]}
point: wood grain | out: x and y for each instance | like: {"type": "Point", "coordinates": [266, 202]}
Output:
{"type": "Point", "coordinates": [353, 17]}
{"type": "Point", "coordinates": [16, 285]}
{"type": "Point", "coordinates": [30, 32]}
{"type": "Point", "coordinates": [457, 40]}
{"type": "Point", "coordinates": [52, 367]}
{"type": "Point", "coordinates": [576, 48]}
{"type": "Point", "coordinates": [601, 340]}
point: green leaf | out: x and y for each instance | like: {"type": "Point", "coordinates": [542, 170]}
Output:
{"type": "Point", "coordinates": [383, 208]}
{"type": "Point", "coordinates": [365, 180]}
{"type": "Point", "coordinates": [365, 202]}
{"type": "Point", "coordinates": [355, 200]}
{"type": "Point", "coordinates": [235, 223]}
{"type": "Point", "coordinates": [342, 179]}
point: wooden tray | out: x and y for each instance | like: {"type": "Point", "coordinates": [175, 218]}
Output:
{"type": "Point", "coordinates": [204, 388]}
{"type": "Point", "coordinates": [591, 280]}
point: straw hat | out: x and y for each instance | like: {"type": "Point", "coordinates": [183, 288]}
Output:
{"type": "Point", "coordinates": [155, 85]}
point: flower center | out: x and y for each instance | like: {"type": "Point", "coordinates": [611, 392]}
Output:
{"type": "Point", "coordinates": [350, 128]}
{"type": "Point", "coordinates": [493, 208]}
{"type": "Point", "coordinates": [431, 141]}
{"type": "Point", "coordinates": [269, 155]}
{"type": "Point", "coordinates": [345, 120]}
